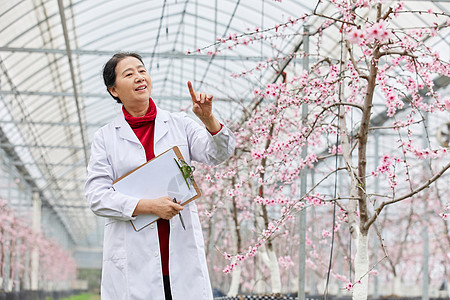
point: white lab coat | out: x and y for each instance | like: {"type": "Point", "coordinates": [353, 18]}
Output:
{"type": "Point", "coordinates": [131, 260]}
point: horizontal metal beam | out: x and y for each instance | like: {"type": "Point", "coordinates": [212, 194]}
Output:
{"type": "Point", "coordinates": [60, 179]}
{"type": "Point", "coordinates": [53, 94]}
{"type": "Point", "coordinates": [64, 124]}
{"type": "Point", "coordinates": [29, 204]}
{"type": "Point", "coordinates": [71, 206]}
{"type": "Point", "coordinates": [19, 163]}
{"type": "Point", "coordinates": [4, 145]}
{"type": "Point", "coordinates": [88, 249]}
{"type": "Point", "coordinates": [170, 55]}
{"type": "Point", "coordinates": [96, 95]}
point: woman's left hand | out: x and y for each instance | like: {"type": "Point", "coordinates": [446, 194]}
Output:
{"type": "Point", "coordinates": [201, 103]}
{"type": "Point", "coordinates": [202, 108]}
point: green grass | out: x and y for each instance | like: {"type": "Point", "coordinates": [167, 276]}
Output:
{"type": "Point", "coordinates": [84, 297]}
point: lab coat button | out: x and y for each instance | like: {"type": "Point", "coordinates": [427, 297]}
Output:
{"type": "Point", "coordinates": [139, 146]}
{"type": "Point", "coordinates": [152, 226]}
{"type": "Point", "coordinates": [156, 253]}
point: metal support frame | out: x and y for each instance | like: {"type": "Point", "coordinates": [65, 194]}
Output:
{"type": "Point", "coordinates": [303, 184]}
{"type": "Point", "coordinates": [72, 75]}
{"type": "Point", "coordinates": [164, 55]}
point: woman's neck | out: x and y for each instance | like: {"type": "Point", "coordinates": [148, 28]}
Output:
{"type": "Point", "coordinates": [138, 110]}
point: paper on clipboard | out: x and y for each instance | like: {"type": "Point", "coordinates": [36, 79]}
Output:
{"type": "Point", "coordinates": [156, 178]}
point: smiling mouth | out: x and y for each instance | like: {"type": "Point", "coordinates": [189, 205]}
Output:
{"type": "Point", "coordinates": [141, 88]}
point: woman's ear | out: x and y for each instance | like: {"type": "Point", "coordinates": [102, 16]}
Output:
{"type": "Point", "coordinates": [113, 91]}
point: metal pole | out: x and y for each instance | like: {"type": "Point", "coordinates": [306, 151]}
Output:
{"type": "Point", "coordinates": [425, 285]}
{"type": "Point", "coordinates": [72, 75]}
{"type": "Point", "coordinates": [303, 179]}
{"type": "Point", "coordinates": [7, 244]}
{"type": "Point", "coordinates": [425, 281]}
{"type": "Point", "coordinates": [375, 241]}
{"type": "Point", "coordinates": [36, 229]}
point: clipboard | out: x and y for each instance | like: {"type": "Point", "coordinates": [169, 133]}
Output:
{"type": "Point", "coordinates": [159, 177]}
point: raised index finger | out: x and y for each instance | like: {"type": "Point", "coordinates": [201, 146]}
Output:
{"type": "Point", "coordinates": [191, 91]}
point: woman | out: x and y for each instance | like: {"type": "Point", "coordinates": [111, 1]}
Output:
{"type": "Point", "coordinates": [162, 261]}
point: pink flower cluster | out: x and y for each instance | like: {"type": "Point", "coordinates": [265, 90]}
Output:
{"type": "Point", "coordinates": [429, 153]}
{"type": "Point", "coordinates": [326, 233]}
{"type": "Point", "coordinates": [286, 262]}
{"type": "Point", "coordinates": [271, 201]}
{"type": "Point", "coordinates": [334, 149]}
{"type": "Point", "coordinates": [446, 212]}
{"type": "Point", "coordinates": [252, 250]}
{"type": "Point", "coordinates": [392, 102]}
{"type": "Point", "coordinates": [377, 32]}
{"type": "Point", "coordinates": [388, 169]}
{"type": "Point", "coordinates": [386, 166]}
{"type": "Point", "coordinates": [316, 200]}
{"type": "Point", "coordinates": [424, 153]}
{"type": "Point", "coordinates": [349, 286]}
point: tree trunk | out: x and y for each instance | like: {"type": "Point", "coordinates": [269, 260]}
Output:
{"type": "Point", "coordinates": [397, 286]}
{"type": "Point", "coordinates": [233, 226]}
{"type": "Point", "coordinates": [235, 280]}
{"type": "Point", "coordinates": [268, 256]}
{"type": "Point", "coordinates": [270, 260]}
{"type": "Point", "coordinates": [361, 268]}
{"type": "Point", "coordinates": [259, 284]}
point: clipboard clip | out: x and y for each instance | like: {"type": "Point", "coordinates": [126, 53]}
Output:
{"type": "Point", "coordinates": [186, 170]}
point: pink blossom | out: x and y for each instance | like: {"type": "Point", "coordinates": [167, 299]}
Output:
{"type": "Point", "coordinates": [326, 233]}
{"type": "Point", "coordinates": [286, 262]}
{"type": "Point", "coordinates": [447, 104]}
{"type": "Point", "coordinates": [378, 32]}
{"type": "Point", "coordinates": [332, 150]}
{"type": "Point", "coordinates": [354, 35]}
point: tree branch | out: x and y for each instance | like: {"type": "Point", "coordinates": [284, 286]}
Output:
{"type": "Point", "coordinates": [345, 104]}
{"type": "Point", "coordinates": [384, 17]}
{"type": "Point", "coordinates": [363, 136]}
{"type": "Point", "coordinates": [395, 126]}
{"type": "Point", "coordinates": [412, 193]}
{"type": "Point", "coordinates": [355, 65]}
{"type": "Point", "coordinates": [401, 53]}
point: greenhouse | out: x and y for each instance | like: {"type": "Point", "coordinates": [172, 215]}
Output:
{"type": "Point", "coordinates": [311, 140]}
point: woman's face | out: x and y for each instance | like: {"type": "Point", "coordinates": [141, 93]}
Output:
{"type": "Point", "coordinates": [133, 83]}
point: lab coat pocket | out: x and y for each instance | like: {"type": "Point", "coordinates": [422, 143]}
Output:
{"type": "Point", "coordinates": [193, 208]}
{"type": "Point", "coordinates": [114, 240]}
{"type": "Point", "coordinates": [117, 261]}
{"type": "Point", "coordinates": [197, 227]}
{"type": "Point", "coordinates": [114, 277]}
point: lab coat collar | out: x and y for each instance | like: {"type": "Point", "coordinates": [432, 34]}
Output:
{"type": "Point", "coordinates": [125, 131]}
{"type": "Point", "coordinates": [161, 124]}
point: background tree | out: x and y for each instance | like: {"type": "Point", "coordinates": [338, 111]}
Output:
{"type": "Point", "coordinates": [17, 240]}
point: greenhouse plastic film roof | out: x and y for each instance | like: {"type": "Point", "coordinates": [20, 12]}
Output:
{"type": "Point", "coordinates": [52, 94]}
{"type": "Point", "coordinates": [52, 97]}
